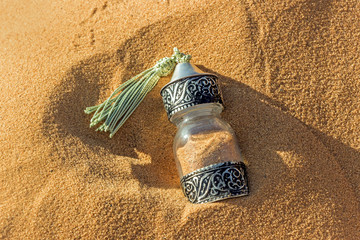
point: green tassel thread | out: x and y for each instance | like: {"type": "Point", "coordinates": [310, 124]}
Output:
{"type": "Point", "coordinates": [127, 97]}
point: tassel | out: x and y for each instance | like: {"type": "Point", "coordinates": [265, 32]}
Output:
{"type": "Point", "coordinates": [127, 97]}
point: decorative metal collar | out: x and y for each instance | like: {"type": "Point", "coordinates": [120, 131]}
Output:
{"type": "Point", "coordinates": [216, 182]}
{"type": "Point", "coordinates": [190, 91]}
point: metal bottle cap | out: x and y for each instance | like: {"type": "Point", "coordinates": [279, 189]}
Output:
{"type": "Point", "coordinates": [186, 69]}
{"type": "Point", "coordinates": [189, 86]}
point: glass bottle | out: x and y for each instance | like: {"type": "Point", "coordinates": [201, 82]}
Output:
{"type": "Point", "coordinates": [206, 150]}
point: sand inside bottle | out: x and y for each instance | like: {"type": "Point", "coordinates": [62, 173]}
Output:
{"type": "Point", "coordinates": [205, 149]}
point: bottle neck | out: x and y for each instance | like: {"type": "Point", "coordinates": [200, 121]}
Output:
{"type": "Point", "coordinates": [197, 112]}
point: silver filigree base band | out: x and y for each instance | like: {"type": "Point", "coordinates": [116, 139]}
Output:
{"type": "Point", "coordinates": [216, 182]}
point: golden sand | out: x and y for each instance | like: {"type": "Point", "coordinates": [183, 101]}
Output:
{"type": "Point", "coordinates": [290, 78]}
{"type": "Point", "coordinates": [207, 148]}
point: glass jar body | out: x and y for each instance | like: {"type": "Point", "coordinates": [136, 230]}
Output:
{"type": "Point", "coordinates": [203, 138]}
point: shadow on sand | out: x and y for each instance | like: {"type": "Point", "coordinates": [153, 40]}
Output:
{"type": "Point", "coordinates": [262, 124]}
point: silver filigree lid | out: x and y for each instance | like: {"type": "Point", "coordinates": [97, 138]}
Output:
{"type": "Point", "coordinates": [189, 86]}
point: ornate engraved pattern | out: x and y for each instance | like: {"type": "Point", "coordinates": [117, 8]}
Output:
{"type": "Point", "coordinates": [215, 182]}
{"type": "Point", "coordinates": [190, 91]}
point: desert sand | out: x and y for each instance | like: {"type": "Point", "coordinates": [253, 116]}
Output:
{"type": "Point", "coordinates": [290, 79]}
